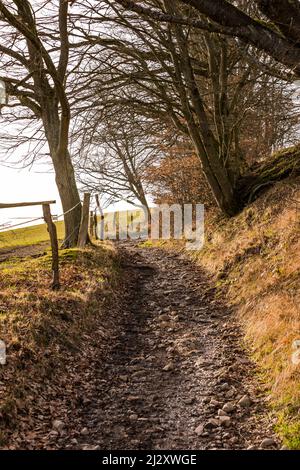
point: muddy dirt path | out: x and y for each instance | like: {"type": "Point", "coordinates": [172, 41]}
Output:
{"type": "Point", "coordinates": [169, 372]}
{"type": "Point", "coordinates": [177, 377]}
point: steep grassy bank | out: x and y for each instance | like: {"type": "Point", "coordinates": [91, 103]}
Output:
{"type": "Point", "coordinates": [49, 334]}
{"type": "Point", "coordinates": [255, 261]}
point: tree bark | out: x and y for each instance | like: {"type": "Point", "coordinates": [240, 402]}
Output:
{"type": "Point", "coordinates": [67, 188]}
{"type": "Point", "coordinates": [64, 176]}
{"type": "Point", "coordinates": [286, 16]}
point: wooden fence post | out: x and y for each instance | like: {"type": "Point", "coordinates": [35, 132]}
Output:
{"type": "Point", "coordinates": [101, 222]}
{"type": "Point", "coordinates": [96, 224]}
{"type": "Point", "coordinates": [92, 224]}
{"type": "Point", "coordinates": [83, 237]}
{"type": "Point", "coordinates": [54, 245]}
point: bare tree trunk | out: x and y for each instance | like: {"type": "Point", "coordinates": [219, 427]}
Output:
{"type": "Point", "coordinates": [204, 141]}
{"type": "Point", "coordinates": [140, 194]}
{"type": "Point", "coordinates": [65, 180]}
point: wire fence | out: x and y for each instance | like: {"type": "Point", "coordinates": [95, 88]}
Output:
{"type": "Point", "coordinates": [12, 240]}
{"type": "Point", "coordinates": [35, 230]}
{"type": "Point", "coordinates": [9, 224]}
{"type": "Point", "coordinates": [12, 223]}
{"type": "Point", "coordinates": [11, 237]}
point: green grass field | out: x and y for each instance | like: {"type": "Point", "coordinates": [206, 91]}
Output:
{"type": "Point", "coordinates": [38, 233]}
{"type": "Point", "coordinates": [28, 236]}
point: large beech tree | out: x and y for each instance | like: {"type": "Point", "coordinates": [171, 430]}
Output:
{"type": "Point", "coordinates": [173, 60]}
{"type": "Point", "coordinates": [35, 63]}
{"type": "Point", "coordinates": [181, 75]}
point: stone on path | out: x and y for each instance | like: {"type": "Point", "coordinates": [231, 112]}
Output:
{"type": "Point", "coordinates": [245, 401]}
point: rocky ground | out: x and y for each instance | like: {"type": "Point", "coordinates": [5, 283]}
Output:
{"type": "Point", "coordinates": [175, 376]}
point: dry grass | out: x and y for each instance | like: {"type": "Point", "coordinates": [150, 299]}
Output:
{"type": "Point", "coordinates": [39, 326]}
{"type": "Point", "coordinates": [255, 260]}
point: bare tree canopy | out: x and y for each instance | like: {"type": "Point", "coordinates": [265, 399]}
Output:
{"type": "Point", "coordinates": [208, 86]}
{"type": "Point", "coordinates": [81, 75]}
{"type": "Point", "coordinates": [115, 156]}
{"type": "Point", "coordinates": [279, 36]}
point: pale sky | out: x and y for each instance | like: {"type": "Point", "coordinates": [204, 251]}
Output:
{"type": "Point", "coordinates": [23, 186]}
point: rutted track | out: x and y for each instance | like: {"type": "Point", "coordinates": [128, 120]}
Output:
{"type": "Point", "coordinates": [156, 373]}
{"type": "Point", "coordinates": [177, 362]}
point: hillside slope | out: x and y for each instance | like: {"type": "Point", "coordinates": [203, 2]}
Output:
{"type": "Point", "coordinates": [255, 261]}
{"type": "Point", "coordinates": [26, 236]}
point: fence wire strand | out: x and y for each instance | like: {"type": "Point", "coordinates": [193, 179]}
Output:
{"type": "Point", "coordinates": [6, 226]}
{"type": "Point", "coordinates": [9, 227]}
{"type": "Point", "coordinates": [68, 211]}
